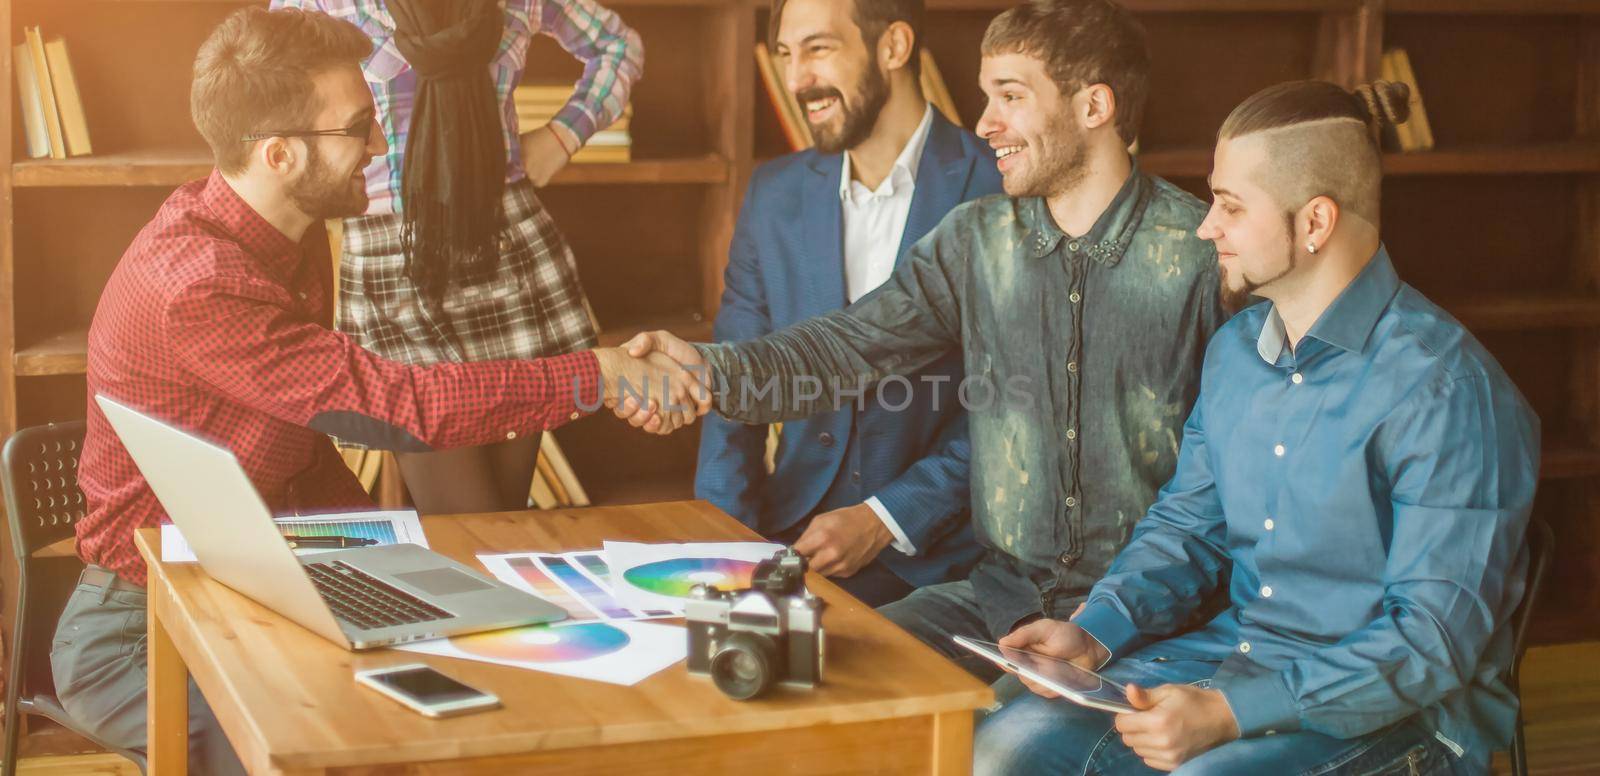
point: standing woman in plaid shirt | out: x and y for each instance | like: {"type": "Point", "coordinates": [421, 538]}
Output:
{"type": "Point", "coordinates": [456, 258]}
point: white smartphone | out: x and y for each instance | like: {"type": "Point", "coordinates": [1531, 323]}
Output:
{"type": "Point", "coordinates": [427, 691]}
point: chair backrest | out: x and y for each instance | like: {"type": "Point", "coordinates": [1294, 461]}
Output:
{"type": "Point", "coordinates": [39, 472]}
{"type": "Point", "coordinates": [1541, 540]}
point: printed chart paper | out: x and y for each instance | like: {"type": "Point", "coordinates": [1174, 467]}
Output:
{"type": "Point", "coordinates": [619, 652]}
{"type": "Point", "coordinates": [660, 576]}
{"type": "Point", "coordinates": [579, 582]}
{"type": "Point", "coordinates": [392, 527]}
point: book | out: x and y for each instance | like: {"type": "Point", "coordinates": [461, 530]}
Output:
{"type": "Point", "coordinates": [1420, 130]}
{"type": "Point", "coordinates": [74, 126]}
{"type": "Point", "coordinates": [1395, 136]}
{"type": "Point", "coordinates": [47, 93]}
{"type": "Point", "coordinates": [32, 103]}
{"type": "Point", "coordinates": [935, 90]}
{"type": "Point", "coordinates": [790, 118]}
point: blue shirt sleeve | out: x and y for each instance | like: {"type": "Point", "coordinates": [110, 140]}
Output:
{"type": "Point", "coordinates": [1178, 555]}
{"type": "Point", "coordinates": [1462, 459]}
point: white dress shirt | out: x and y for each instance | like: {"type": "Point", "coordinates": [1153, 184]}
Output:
{"type": "Point", "coordinates": [874, 221]}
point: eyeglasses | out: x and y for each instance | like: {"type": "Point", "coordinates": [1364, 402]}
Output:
{"type": "Point", "coordinates": [361, 130]}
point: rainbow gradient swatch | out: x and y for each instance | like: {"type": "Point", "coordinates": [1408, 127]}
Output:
{"type": "Point", "coordinates": [676, 577]}
{"type": "Point", "coordinates": [545, 644]}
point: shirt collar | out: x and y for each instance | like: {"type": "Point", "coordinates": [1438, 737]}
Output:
{"type": "Point", "coordinates": [1106, 241]}
{"type": "Point", "coordinates": [253, 233]}
{"type": "Point", "coordinates": [1349, 321]}
{"type": "Point", "coordinates": [905, 164]}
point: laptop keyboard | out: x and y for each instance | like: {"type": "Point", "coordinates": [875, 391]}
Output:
{"type": "Point", "coordinates": [362, 600]}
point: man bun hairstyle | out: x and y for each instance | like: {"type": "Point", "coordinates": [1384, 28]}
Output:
{"type": "Point", "coordinates": [1321, 140]}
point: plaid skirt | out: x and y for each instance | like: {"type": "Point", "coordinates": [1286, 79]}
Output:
{"type": "Point", "coordinates": [532, 306]}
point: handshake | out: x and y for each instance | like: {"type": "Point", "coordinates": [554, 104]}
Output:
{"type": "Point", "coordinates": [655, 381]}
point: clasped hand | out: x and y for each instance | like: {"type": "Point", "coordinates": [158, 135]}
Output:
{"type": "Point", "coordinates": [655, 381]}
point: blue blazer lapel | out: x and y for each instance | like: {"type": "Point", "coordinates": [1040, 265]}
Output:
{"type": "Point", "coordinates": [822, 236]}
{"type": "Point", "coordinates": [942, 177]}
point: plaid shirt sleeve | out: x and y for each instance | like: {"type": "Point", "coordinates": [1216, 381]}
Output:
{"type": "Point", "coordinates": [242, 336]}
{"type": "Point", "coordinates": [612, 56]}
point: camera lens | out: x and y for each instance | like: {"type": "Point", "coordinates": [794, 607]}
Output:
{"type": "Point", "coordinates": [743, 667]}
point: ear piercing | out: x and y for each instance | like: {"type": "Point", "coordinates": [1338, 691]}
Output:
{"type": "Point", "coordinates": [1312, 247]}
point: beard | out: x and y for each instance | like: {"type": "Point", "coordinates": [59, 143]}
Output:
{"type": "Point", "coordinates": [856, 118]}
{"type": "Point", "coordinates": [1055, 167]}
{"type": "Point", "coordinates": [1235, 299]}
{"type": "Point", "coordinates": [322, 193]}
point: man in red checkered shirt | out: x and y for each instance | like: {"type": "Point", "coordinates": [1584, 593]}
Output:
{"type": "Point", "coordinates": [217, 320]}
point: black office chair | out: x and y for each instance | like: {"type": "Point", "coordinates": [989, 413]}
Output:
{"type": "Point", "coordinates": [39, 473]}
{"type": "Point", "coordinates": [1540, 542]}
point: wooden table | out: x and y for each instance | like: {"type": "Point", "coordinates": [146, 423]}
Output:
{"type": "Point", "coordinates": [289, 703]}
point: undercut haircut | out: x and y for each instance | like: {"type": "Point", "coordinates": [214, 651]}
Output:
{"type": "Point", "coordinates": [1321, 140]}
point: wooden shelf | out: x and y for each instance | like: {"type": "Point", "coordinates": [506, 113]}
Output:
{"type": "Point", "coordinates": [174, 167]}
{"type": "Point", "coordinates": [1574, 157]}
{"type": "Point", "coordinates": [1518, 7]}
{"type": "Point", "coordinates": [62, 354]}
{"type": "Point", "coordinates": [1510, 313]}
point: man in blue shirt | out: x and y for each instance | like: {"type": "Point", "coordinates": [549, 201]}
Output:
{"type": "Point", "coordinates": [1358, 471]}
{"type": "Point", "coordinates": [875, 498]}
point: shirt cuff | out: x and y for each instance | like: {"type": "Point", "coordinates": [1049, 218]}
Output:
{"type": "Point", "coordinates": [1261, 703]}
{"type": "Point", "coordinates": [901, 541]}
{"type": "Point", "coordinates": [1108, 626]}
{"type": "Point", "coordinates": [574, 386]}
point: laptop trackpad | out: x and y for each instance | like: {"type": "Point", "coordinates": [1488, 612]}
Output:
{"type": "Point", "coordinates": [442, 581]}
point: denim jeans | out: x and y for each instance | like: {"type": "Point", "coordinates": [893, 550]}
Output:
{"type": "Point", "coordinates": [1028, 734]}
{"type": "Point", "coordinates": [1034, 735]}
{"type": "Point", "coordinates": [98, 657]}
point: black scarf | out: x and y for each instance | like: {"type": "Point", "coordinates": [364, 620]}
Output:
{"type": "Point", "coordinates": [453, 173]}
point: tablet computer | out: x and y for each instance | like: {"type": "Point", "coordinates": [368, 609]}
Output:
{"type": "Point", "coordinates": [1079, 685]}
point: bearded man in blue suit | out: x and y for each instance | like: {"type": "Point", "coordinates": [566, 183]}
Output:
{"type": "Point", "coordinates": [874, 493]}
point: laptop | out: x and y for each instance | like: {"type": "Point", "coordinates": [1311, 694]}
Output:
{"type": "Point", "coordinates": [361, 598]}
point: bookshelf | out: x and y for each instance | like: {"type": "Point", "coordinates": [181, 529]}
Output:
{"type": "Point", "coordinates": [1501, 223]}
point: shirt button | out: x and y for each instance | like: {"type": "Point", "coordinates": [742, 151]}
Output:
{"type": "Point", "coordinates": [1071, 502]}
{"type": "Point", "coordinates": [1296, 378]}
{"type": "Point", "coordinates": [1278, 450]}
{"type": "Point", "coordinates": [1269, 524]}
{"type": "Point", "coordinates": [1065, 558]}
{"type": "Point", "coordinates": [1244, 647]}
{"type": "Point", "coordinates": [1072, 433]}
{"type": "Point", "coordinates": [505, 246]}
{"type": "Point", "coordinates": [511, 435]}
{"type": "Point", "coordinates": [855, 476]}
{"type": "Point", "coordinates": [575, 416]}
{"type": "Point", "coordinates": [826, 439]}
{"type": "Point", "coordinates": [1075, 297]}
{"type": "Point", "coordinates": [1072, 366]}
{"type": "Point", "coordinates": [1266, 591]}
{"type": "Point", "coordinates": [1072, 245]}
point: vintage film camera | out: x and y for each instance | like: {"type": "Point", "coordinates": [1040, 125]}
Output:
{"type": "Point", "coordinates": [747, 640]}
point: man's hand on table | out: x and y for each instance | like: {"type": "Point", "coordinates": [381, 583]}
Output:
{"type": "Point", "coordinates": [841, 542]}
